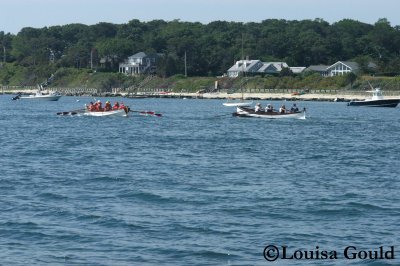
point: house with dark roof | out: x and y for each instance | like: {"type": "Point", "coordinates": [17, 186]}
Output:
{"type": "Point", "coordinates": [339, 68]}
{"type": "Point", "coordinates": [272, 67]}
{"type": "Point", "coordinates": [139, 64]}
{"type": "Point", "coordinates": [258, 67]}
{"type": "Point", "coordinates": [321, 69]}
{"type": "Point", "coordinates": [244, 66]}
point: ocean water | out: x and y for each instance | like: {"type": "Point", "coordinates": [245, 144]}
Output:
{"type": "Point", "coordinates": [195, 186]}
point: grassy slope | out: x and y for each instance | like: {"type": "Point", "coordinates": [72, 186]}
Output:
{"type": "Point", "coordinates": [71, 77]}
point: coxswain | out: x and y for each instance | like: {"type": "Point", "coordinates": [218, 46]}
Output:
{"type": "Point", "coordinates": [122, 106]}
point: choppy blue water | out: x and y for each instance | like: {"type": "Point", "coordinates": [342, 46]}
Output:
{"type": "Point", "coordinates": [195, 187]}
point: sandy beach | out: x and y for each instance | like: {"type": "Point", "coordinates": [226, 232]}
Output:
{"type": "Point", "coordinates": [287, 96]}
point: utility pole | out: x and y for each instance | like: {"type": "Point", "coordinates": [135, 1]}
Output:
{"type": "Point", "coordinates": [4, 54]}
{"type": "Point", "coordinates": [185, 65]}
{"type": "Point", "coordinates": [91, 59]}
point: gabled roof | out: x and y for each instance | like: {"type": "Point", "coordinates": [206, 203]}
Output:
{"type": "Point", "coordinates": [352, 65]}
{"type": "Point", "coordinates": [272, 67]}
{"type": "Point", "coordinates": [252, 66]}
{"type": "Point", "coordinates": [138, 55]}
{"type": "Point", "coordinates": [245, 66]}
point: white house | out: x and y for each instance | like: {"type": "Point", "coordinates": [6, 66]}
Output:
{"type": "Point", "coordinates": [339, 68]}
{"type": "Point", "coordinates": [139, 63]}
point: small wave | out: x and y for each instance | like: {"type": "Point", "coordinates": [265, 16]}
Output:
{"type": "Point", "coordinates": [366, 206]}
{"type": "Point", "coordinates": [52, 196]}
{"type": "Point", "coordinates": [19, 224]}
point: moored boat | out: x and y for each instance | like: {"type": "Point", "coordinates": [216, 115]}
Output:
{"type": "Point", "coordinates": [237, 103]}
{"type": "Point", "coordinates": [52, 96]}
{"type": "Point", "coordinates": [377, 100]}
{"type": "Point", "coordinates": [250, 112]}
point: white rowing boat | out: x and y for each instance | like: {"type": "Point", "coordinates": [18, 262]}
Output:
{"type": "Point", "coordinates": [118, 112]}
{"type": "Point", "coordinates": [250, 112]}
{"type": "Point", "coordinates": [85, 112]}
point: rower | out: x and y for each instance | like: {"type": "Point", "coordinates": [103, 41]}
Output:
{"type": "Point", "coordinates": [257, 108]}
{"type": "Point", "coordinates": [107, 106]}
{"type": "Point", "coordinates": [294, 108]}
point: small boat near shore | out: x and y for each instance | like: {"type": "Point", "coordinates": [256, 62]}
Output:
{"type": "Point", "coordinates": [51, 96]}
{"type": "Point", "coordinates": [250, 112]}
{"type": "Point", "coordinates": [237, 103]}
{"type": "Point", "coordinates": [377, 100]}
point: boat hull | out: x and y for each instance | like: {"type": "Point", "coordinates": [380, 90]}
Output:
{"type": "Point", "coordinates": [237, 104]}
{"type": "Point", "coordinates": [41, 98]}
{"type": "Point", "coordinates": [248, 112]}
{"type": "Point", "coordinates": [376, 103]}
{"type": "Point", "coordinates": [119, 112]}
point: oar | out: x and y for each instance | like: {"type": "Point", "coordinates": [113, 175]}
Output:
{"type": "Point", "coordinates": [74, 112]}
{"type": "Point", "coordinates": [152, 113]}
{"type": "Point", "coordinates": [230, 114]}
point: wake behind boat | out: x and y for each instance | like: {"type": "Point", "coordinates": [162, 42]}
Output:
{"type": "Point", "coordinates": [377, 100]}
{"type": "Point", "coordinates": [250, 112]}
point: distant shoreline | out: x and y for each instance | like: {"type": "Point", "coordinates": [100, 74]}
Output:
{"type": "Point", "coordinates": [345, 96]}
{"type": "Point", "coordinates": [269, 96]}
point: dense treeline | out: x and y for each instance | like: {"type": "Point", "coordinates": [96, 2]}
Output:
{"type": "Point", "coordinates": [211, 48]}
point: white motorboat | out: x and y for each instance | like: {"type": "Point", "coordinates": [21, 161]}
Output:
{"type": "Point", "coordinates": [377, 100]}
{"type": "Point", "coordinates": [51, 96]}
{"type": "Point", "coordinates": [250, 112]}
